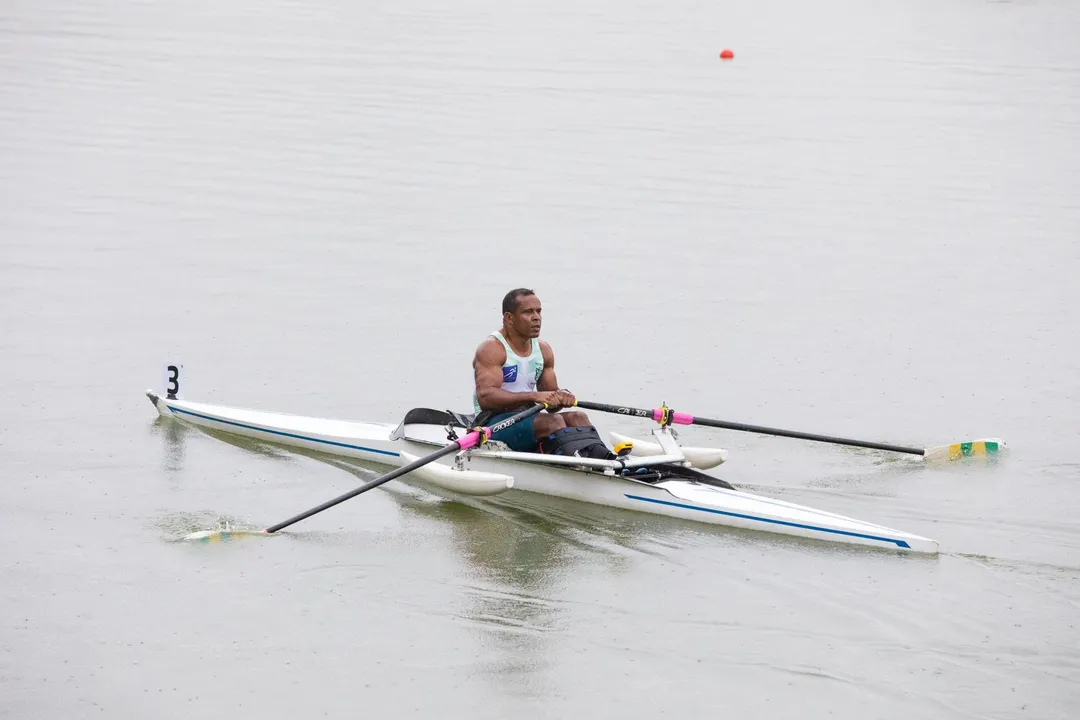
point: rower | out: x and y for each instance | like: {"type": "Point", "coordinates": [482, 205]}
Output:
{"type": "Point", "coordinates": [513, 368]}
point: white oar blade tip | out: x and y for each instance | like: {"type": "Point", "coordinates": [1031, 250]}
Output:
{"type": "Point", "coordinates": [987, 447]}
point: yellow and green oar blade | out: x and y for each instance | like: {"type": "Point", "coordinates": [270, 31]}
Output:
{"type": "Point", "coordinates": [957, 451]}
{"type": "Point", "coordinates": [210, 536]}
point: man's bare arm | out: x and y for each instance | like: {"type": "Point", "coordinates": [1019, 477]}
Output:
{"type": "Point", "coordinates": [487, 371]}
{"type": "Point", "coordinates": [548, 382]}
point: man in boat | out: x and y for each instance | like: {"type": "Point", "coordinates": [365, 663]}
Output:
{"type": "Point", "coordinates": [514, 369]}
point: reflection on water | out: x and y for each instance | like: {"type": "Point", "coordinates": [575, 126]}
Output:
{"type": "Point", "coordinates": [266, 449]}
{"type": "Point", "coordinates": [172, 434]}
{"type": "Point", "coordinates": [516, 562]}
{"type": "Point", "coordinates": [507, 597]}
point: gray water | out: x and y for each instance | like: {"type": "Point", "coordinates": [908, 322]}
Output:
{"type": "Point", "coordinates": [865, 224]}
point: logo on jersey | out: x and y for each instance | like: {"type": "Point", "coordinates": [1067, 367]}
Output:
{"type": "Point", "coordinates": [510, 374]}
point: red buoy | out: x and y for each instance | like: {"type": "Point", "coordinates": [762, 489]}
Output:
{"type": "Point", "coordinates": [727, 55]}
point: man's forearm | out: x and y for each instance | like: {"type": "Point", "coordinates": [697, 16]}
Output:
{"type": "Point", "coordinates": [499, 399]}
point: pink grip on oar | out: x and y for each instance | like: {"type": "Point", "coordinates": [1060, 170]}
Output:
{"type": "Point", "coordinates": [472, 439]}
{"type": "Point", "coordinates": [676, 417]}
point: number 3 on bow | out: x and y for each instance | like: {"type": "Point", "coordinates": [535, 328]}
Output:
{"type": "Point", "coordinates": [173, 386]}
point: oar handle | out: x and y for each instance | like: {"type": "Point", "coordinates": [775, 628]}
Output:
{"type": "Point", "coordinates": [477, 437]}
{"type": "Point", "coordinates": [667, 416]}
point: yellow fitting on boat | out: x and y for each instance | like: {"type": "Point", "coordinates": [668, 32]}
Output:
{"type": "Point", "coordinates": [624, 448]}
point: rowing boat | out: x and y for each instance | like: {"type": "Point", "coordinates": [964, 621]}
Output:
{"type": "Point", "coordinates": [659, 477]}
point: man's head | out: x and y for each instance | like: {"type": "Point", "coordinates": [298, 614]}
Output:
{"type": "Point", "coordinates": [521, 312]}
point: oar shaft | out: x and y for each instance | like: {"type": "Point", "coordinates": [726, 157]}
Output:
{"type": "Point", "coordinates": [806, 436]}
{"type": "Point", "coordinates": [616, 409]}
{"type": "Point", "coordinates": [466, 442]}
{"type": "Point", "coordinates": [686, 419]}
{"type": "Point", "coordinates": [404, 469]}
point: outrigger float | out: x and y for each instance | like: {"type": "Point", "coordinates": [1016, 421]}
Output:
{"type": "Point", "coordinates": [660, 477]}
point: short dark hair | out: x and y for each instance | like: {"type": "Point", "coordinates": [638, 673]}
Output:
{"type": "Point", "coordinates": [510, 301]}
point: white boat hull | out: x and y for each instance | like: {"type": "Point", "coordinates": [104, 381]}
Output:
{"type": "Point", "coordinates": [681, 498]}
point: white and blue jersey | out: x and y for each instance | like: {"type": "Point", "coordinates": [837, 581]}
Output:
{"type": "Point", "coordinates": [520, 374]}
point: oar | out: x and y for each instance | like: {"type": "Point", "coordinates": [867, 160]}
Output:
{"type": "Point", "coordinates": [472, 439]}
{"type": "Point", "coordinates": [666, 416]}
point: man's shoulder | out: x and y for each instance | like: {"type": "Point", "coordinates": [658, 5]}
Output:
{"type": "Point", "coordinates": [490, 350]}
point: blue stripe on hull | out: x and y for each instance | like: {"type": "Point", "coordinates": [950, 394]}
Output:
{"type": "Point", "coordinates": [283, 434]}
{"type": "Point", "coordinates": [894, 541]}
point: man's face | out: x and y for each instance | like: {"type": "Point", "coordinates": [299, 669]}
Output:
{"type": "Point", "coordinates": [526, 319]}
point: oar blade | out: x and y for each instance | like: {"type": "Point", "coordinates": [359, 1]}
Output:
{"type": "Point", "coordinates": [988, 447]}
{"type": "Point", "coordinates": [212, 536]}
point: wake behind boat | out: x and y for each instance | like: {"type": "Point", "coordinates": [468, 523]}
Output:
{"type": "Point", "coordinates": [661, 477]}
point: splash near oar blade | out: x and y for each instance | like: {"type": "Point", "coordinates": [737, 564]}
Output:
{"type": "Point", "coordinates": [958, 451]}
